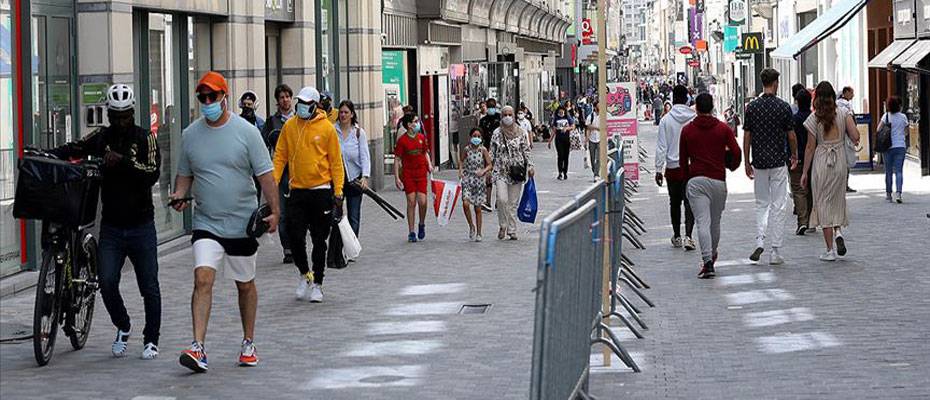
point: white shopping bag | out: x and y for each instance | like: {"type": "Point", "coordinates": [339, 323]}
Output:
{"type": "Point", "coordinates": [445, 195]}
{"type": "Point", "coordinates": [350, 245]}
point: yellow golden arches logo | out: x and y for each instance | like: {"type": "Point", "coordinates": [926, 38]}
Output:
{"type": "Point", "coordinates": [752, 42]}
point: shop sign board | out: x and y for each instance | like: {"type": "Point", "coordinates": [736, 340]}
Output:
{"type": "Point", "coordinates": [752, 42]}
{"type": "Point", "coordinates": [93, 93]}
{"type": "Point", "coordinates": [685, 50]}
{"type": "Point", "coordinates": [695, 25]}
{"type": "Point", "coordinates": [737, 12]}
{"type": "Point", "coordinates": [587, 31]}
{"type": "Point", "coordinates": [394, 81]}
{"type": "Point", "coordinates": [622, 123]}
{"type": "Point", "coordinates": [730, 38]}
{"type": "Point", "coordinates": [279, 10]}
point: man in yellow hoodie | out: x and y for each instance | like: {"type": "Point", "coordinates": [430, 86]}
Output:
{"type": "Point", "coordinates": [309, 146]}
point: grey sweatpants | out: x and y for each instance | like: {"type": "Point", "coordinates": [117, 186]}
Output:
{"type": "Point", "coordinates": [708, 198]}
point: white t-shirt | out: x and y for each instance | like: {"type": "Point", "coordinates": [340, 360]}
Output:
{"type": "Point", "coordinates": [899, 124]}
{"type": "Point", "coordinates": [527, 126]}
{"type": "Point", "coordinates": [594, 122]}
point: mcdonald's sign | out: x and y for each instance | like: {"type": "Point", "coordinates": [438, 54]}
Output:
{"type": "Point", "coordinates": [752, 42]}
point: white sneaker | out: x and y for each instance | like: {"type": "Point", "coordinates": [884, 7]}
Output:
{"type": "Point", "coordinates": [897, 198]}
{"type": "Point", "coordinates": [676, 242]}
{"type": "Point", "coordinates": [478, 237]}
{"type": "Point", "coordinates": [471, 233]}
{"type": "Point", "coordinates": [829, 255]}
{"type": "Point", "coordinates": [689, 244]}
{"type": "Point", "coordinates": [120, 344]}
{"type": "Point", "coordinates": [316, 293]}
{"type": "Point", "coordinates": [150, 351]}
{"type": "Point", "coordinates": [776, 258]}
{"type": "Point", "coordinates": [303, 286]}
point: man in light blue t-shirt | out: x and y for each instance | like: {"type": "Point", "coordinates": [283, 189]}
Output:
{"type": "Point", "coordinates": [220, 153]}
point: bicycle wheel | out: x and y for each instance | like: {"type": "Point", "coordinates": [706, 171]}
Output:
{"type": "Point", "coordinates": [84, 294]}
{"type": "Point", "coordinates": [47, 307]}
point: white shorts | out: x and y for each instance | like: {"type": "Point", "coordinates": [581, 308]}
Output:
{"type": "Point", "coordinates": [209, 253]}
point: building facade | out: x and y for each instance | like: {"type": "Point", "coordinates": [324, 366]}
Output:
{"type": "Point", "coordinates": [58, 57]}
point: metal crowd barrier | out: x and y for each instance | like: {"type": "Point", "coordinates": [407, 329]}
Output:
{"type": "Point", "coordinates": [569, 297]}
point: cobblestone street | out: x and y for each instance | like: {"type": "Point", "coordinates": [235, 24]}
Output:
{"type": "Point", "coordinates": [390, 328]}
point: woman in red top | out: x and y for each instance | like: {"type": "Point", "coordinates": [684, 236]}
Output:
{"type": "Point", "coordinates": [412, 167]}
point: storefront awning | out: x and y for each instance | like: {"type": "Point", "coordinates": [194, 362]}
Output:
{"type": "Point", "coordinates": [913, 55]}
{"type": "Point", "coordinates": [886, 56]}
{"type": "Point", "coordinates": [825, 25]}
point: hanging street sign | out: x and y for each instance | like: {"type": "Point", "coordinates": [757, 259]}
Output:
{"type": "Point", "coordinates": [737, 12]}
{"type": "Point", "coordinates": [752, 42]}
{"type": "Point", "coordinates": [730, 38]}
{"type": "Point", "coordinates": [685, 50]}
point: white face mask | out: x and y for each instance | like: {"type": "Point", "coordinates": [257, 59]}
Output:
{"type": "Point", "coordinates": [508, 120]}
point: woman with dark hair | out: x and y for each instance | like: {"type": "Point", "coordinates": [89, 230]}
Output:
{"type": "Point", "coordinates": [562, 126]}
{"type": "Point", "coordinates": [825, 152]}
{"type": "Point", "coordinates": [894, 157]}
{"type": "Point", "coordinates": [412, 166]}
{"type": "Point", "coordinates": [357, 160]}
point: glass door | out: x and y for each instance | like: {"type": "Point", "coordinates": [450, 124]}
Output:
{"type": "Point", "coordinates": [159, 106]}
{"type": "Point", "coordinates": [52, 81]}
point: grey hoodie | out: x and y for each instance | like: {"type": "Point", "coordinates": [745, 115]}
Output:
{"type": "Point", "coordinates": [669, 133]}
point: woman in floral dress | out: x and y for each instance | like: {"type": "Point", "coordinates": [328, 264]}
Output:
{"type": "Point", "coordinates": [474, 165]}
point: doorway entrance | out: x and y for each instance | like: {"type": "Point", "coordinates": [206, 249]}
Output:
{"type": "Point", "coordinates": [52, 77]}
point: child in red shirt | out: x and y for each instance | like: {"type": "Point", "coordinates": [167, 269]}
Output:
{"type": "Point", "coordinates": [412, 167]}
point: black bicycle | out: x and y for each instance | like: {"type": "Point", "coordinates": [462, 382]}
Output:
{"type": "Point", "coordinates": [63, 195]}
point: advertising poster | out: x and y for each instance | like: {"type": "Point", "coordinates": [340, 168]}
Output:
{"type": "Point", "coordinates": [622, 123]}
{"type": "Point", "coordinates": [394, 81]}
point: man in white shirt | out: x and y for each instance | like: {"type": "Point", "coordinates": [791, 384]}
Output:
{"type": "Point", "coordinates": [527, 126]}
{"type": "Point", "coordinates": [845, 102]}
{"type": "Point", "coordinates": [667, 162]}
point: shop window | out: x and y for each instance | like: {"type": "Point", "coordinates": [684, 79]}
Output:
{"type": "Point", "coordinates": [9, 227]}
{"type": "Point", "coordinates": [161, 84]}
{"type": "Point", "coordinates": [912, 110]}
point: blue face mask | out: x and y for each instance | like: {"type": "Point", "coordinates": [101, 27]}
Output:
{"type": "Point", "coordinates": [417, 128]}
{"type": "Point", "coordinates": [476, 141]}
{"type": "Point", "coordinates": [213, 111]}
{"type": "Point", "coordinates": [492, 111]}
{"type": "Point", "coordinates": [305, 111]}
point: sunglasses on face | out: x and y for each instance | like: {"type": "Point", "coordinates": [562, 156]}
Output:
{"type": "Point", "coordinates": [203, 97]}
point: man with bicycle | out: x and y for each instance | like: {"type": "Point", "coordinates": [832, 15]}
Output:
{"type": "Point", "coordinates": [220, 155]}
{"type": "Point", "coordinates": [131, 167]}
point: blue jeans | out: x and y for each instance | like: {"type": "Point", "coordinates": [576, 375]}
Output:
{"type": "Point", "coordinates": [140, 244]}
{"type": "Point", "coordinates": [894, 163]}
{"type": "Point", "coordinates": [354, 211]}
{"type": "Point", "coordinates": [282, 229]}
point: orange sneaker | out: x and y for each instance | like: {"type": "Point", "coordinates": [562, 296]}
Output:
{"type": "Point", "coordinates": [248, 357]}
{"type": "Point", "coordinates": [195, 358]}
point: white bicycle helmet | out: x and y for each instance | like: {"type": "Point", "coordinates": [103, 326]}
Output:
{"type": "Point", "coordinates": [120, 97]}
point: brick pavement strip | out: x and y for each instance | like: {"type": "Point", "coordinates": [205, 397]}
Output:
{"type": "Point", "coordinates": [362, 342]}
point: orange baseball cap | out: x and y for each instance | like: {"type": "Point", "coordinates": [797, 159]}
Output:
{"type": "Point", "coordinates": [215, 81]}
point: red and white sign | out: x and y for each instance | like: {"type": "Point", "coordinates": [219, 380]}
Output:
{"type": "Point", "coordinates": [445, 195]}
{"type": "Point", "coordinates": [685, 50]}
{"type": "Point", "coordinates": [622, 122]}
{"type": "Point", "coordinates": [694, 63]}
{"type": "Point", "coordinates": [587, 31]}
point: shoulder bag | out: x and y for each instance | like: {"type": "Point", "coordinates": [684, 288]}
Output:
{"type": "Point", "coordinates": [516, 172]}
{"type": "Point", "coordinates": [883, 136]}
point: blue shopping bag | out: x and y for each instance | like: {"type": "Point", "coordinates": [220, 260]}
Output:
{"type": "Point", "coordinates": [528, 203]}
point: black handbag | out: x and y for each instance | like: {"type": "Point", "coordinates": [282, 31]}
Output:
{"type": "Point", "coordinates": [883, 137]}
{"type": "Point", "coordinates": [517, 172]}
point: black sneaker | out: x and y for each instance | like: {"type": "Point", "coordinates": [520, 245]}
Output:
{"type": "Point", "coordinates": [707, 271]}
{"type": "Point", "coordinates": [850, 190]}
{"type": "Point", "coordinates": [756, 254]}
{"type": "Point", "coordinates": [840, 246]}
{"type": "Point", "coordinates": [288, 259]}
{"type": "Point", "coordinates": [802, 229]}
